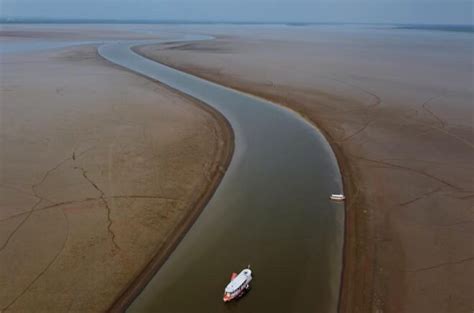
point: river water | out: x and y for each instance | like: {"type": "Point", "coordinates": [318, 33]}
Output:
{"type": "Point", "coordinates": [271, 211]}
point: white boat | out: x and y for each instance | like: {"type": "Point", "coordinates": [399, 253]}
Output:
{"type": "Point", "coordinates": [338, 197]}
{"type": "Point", "coordinates": [238, 286]}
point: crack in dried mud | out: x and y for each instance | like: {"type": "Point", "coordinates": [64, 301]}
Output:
{"type": "Point", "coordinates": [427, 109]}
{"type": "Point", "coordinates": [10, 236]}
{"type": "Point", "coordinates": [368, 108]}
{"type": "Point", "coordinates": [106, 205]}
{"type": "Point", "coordinates": [440, 265]}
{"type": "Point", "coordinates": [59, 204]}
{"type": "Point", "coordinates": [48, 266]}
{"type": "Point", "coordinates": [406, 168]}
{"type": "Point", "coordinates": [429, 193]}
{"type": "Point", "coordinates": [40, 198]}
{"type": "Point", "coordinates": [442, 124]}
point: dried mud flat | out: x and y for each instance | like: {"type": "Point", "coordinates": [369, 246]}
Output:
{"type": "Point", "coordinates": [101, 170]}
{"type": "Point", "coordinates": [397, 109]}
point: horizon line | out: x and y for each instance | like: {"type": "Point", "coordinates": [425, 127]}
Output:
{"type": "Point", "coordinates": [46, 20]}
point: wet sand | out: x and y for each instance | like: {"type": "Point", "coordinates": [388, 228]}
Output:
{"type": "Point", "coordinates": [396, 107]}
{"type": "Point", "coordinates": [101, 171]}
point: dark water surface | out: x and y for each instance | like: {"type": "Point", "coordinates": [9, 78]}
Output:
{"type": "Point", "coordinates": [271, 210]}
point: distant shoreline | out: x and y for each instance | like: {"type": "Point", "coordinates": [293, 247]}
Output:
{"type": "Point", "coordinates": [465, 28]}
{"type": "Point", "coordinates": [445, 28]}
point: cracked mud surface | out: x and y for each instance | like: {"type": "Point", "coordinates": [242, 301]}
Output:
{"type": "Point", "coordinates": [399, 115]}
{"type": "Point", "coordinates": [98, 167]}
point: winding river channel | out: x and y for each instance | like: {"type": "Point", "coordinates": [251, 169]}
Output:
{"type": "Point", "coordinates": [271, 210]}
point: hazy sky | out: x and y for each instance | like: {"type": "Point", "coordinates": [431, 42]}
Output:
{"type": "Point", "coordinates": [385, 11]}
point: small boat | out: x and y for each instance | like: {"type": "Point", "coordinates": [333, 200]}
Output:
{"type": "Point", "coordinates": [239, 284]}
{"type": "Point", "coordinates": [338, 197]}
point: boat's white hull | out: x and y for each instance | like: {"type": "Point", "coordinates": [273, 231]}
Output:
{"type": "Point", "coordinates": [238, 285]}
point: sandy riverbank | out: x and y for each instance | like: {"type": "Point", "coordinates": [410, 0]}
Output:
{"type": "Point", "coordinates": [101, 172]}
{"type": "Point", "coordinates": [397, 109]}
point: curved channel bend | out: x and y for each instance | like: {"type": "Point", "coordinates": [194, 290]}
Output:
{"type": "Point", "coordinates": [271, 210]}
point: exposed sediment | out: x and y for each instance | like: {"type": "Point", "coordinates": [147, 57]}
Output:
{"type": "Point", "coordinates": [404, 144]}
{"type": "Point", "coordinates": [102, 171]}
